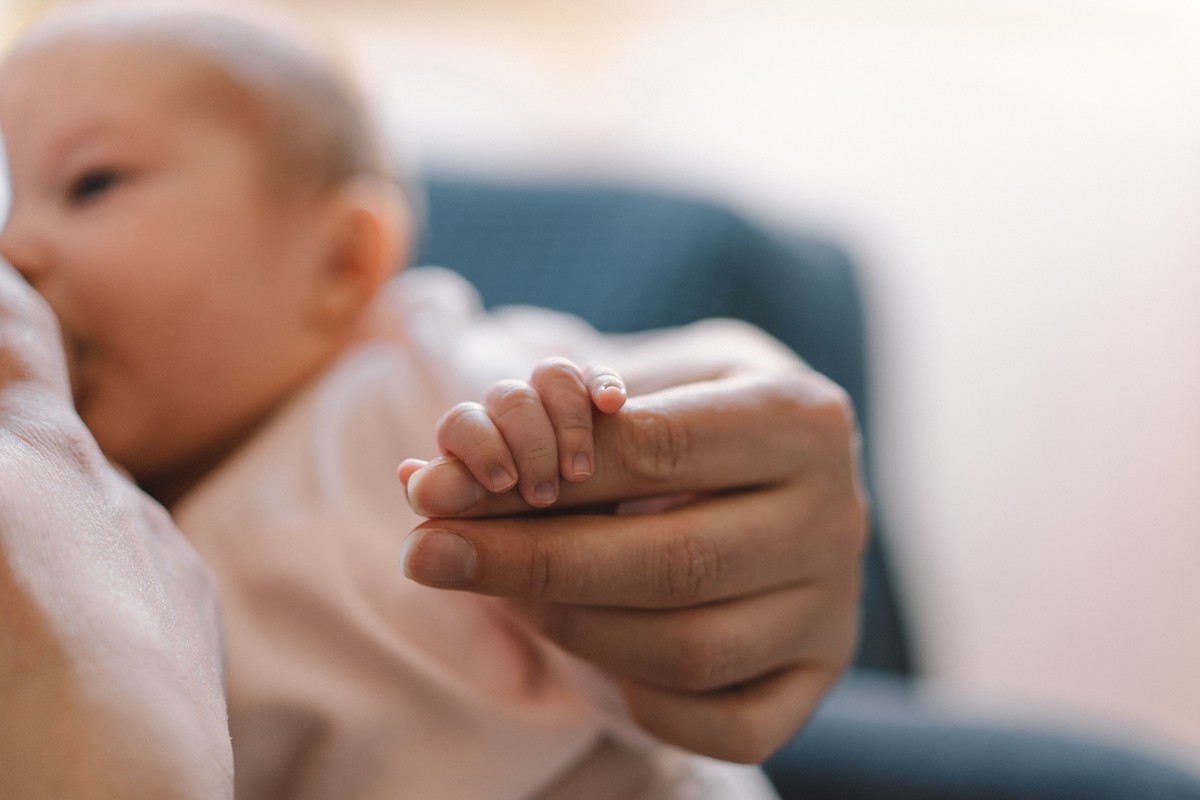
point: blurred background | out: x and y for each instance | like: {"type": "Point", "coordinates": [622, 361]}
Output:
{"type": "Point", "coordinates": [1019, 182]}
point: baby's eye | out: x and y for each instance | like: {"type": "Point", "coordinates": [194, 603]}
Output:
{"type": "Point", "coordinates": [93, 184]}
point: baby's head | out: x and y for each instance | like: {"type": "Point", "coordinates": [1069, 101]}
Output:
{"type": "Point", "coordinates": [201, 200]}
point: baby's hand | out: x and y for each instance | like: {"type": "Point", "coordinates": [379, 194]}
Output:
{"type": "Point", "coordinates": [529, 434]}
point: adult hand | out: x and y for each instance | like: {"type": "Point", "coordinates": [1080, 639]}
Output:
{"type": "Point", "coordinates": [724, 598]}
{"type": "Point", "coordinates": [110, 678]}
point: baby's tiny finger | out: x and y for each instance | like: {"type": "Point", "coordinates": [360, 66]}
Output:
{"type": "Point", "coordinates": [443, 485]}
{"type": "Point", "coordinates": [606, 388]}
{"type": "Point", "coordinates": [565, 397]}
{"type": "Point", "coordinates": [517, 411]}
{"type": "Point", "coordinates": [407, 467]}
{"type": "Point", "coordinates": [468, 433]}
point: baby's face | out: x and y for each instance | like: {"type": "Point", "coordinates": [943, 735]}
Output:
{"type": "Point", "coordinates": [144, 222]}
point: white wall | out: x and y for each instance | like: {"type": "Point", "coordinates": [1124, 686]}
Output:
{"type": "Point", "coordinates": [1021, 182]}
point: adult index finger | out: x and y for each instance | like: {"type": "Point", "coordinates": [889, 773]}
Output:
{"type": "Point", "coordinates": [677, 559]}
{"type": "Point", "coordinates": [737, 432]}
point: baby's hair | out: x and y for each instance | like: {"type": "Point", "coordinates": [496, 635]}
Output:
{"type": "Point", "coordinates": [256, 68]}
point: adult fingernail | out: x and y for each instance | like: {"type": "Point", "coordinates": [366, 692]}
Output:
{"type": "Point", "coordinates": [438, 558]}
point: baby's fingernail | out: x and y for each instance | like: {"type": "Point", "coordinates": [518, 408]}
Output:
{"type": "Point", "coordinates": [501, 480]}
{"type": "Point", "coordinates": [438, 558]}
{"type": "Point", "coordinates": [610, 396]}
{"type": "Point", "coordinates": [582, 465]}
{"type": "Point", "coordinates": [544, 494]}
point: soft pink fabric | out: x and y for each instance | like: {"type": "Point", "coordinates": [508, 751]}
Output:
{"type": "Point", "coordinates": [348, 681]}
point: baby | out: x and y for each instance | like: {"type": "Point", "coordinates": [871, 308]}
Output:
{"type": "Point", "coordinates": [203, 203]}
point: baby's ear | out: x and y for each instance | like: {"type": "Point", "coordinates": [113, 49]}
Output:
{"type": "Point", "coordinates": [366, 233]}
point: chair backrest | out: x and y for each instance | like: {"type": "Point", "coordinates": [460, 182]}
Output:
{"type": "Point", "coordinates": [627, 259]}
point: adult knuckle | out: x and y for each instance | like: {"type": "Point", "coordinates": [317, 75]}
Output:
{"type": "Point", "coordinates": [702, 660]}
{"type": "Point", "coordinates": [822, 415]}
{"type": "Point", "coordinates": [15, 365]}
{"type": "Point", "coordinates": [837, 413]}
{"type": "Point", "coordinates": [831, 415]}
{"type": "Point", "coordinates": [539, 575]}
{"type": "Point", "coordinates": [689, 567]}
{"type": "Point", "coordinates": [79, 448]}
{"type": "Point", "coordinates": [659, 447]}
{"type": "Point", "coordinates": [60, 437]}
{"type": "Point", "coordinates": [809, 402]}
{"type": "Point", "coordinates": [76, 447]}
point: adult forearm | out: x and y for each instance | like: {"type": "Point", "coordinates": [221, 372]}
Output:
{"type": "Point", "coordinates": [110, 680]}
{"type": "Point", "coordinates": [109, 663]}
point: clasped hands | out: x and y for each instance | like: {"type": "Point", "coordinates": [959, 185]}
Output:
{"type": "Point", "coordinates": [724, 597]}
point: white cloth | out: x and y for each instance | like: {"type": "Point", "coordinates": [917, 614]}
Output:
{"type": "Point", "coordinates": [346, 680]}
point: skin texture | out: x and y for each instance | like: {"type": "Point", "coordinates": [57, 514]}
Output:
{"type": "Point", "coordinates": [725, 613]}
{"type": "Point", "coordinates": [110, 680]}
